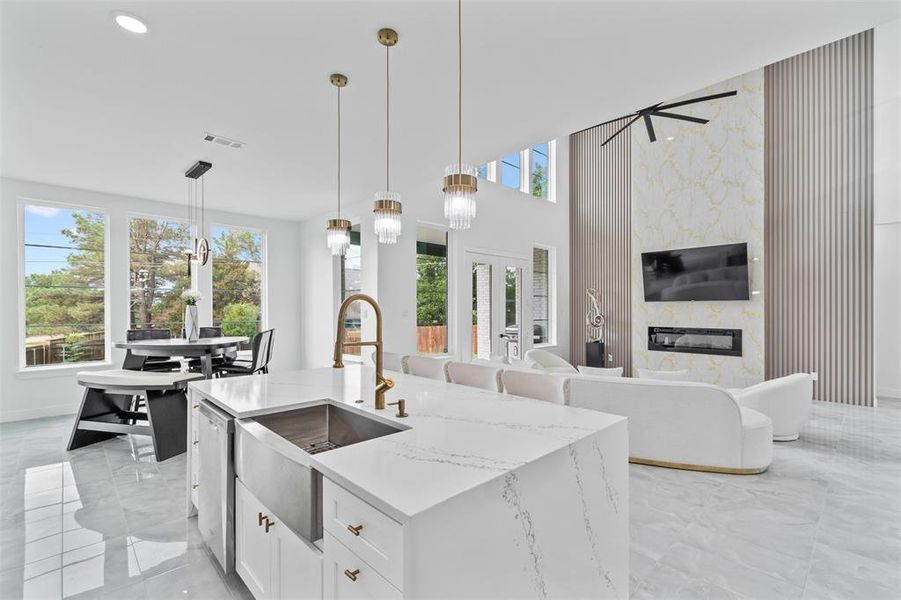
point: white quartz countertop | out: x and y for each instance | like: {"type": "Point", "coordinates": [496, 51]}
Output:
{"type": "Point", "coordinates": [457, 438]}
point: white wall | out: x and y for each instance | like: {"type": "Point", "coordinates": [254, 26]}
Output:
{"type": "Point", "coordinates": [887, 209]}
{"type": "Point", "coordinates": [702, 188]}
{"type": "Point", "coordinates": [508, 223]}
{"type": "Point", "coordinates": [29, 394]}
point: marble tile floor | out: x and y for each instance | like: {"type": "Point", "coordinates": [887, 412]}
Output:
{"type": "Point", "coordinates": [823, 522]}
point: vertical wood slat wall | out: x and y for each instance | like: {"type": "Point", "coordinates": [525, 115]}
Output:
{"type": "Point", "coordinates": [819, 218]}
{"type": "Point", "coordinates": [600, 239]}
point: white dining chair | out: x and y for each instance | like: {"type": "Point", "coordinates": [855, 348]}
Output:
{"type": "Point", "coordinates": [426, 366]}
{"type": "Point", "coordinates": [485, 377]}
{"type": "Point", "coordinates": [391, 361]}
{"type": "Point", "coordinates": [549, 387]}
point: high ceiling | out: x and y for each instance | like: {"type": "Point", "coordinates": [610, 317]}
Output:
{"type": "Point", "coordinates": [88, 105]}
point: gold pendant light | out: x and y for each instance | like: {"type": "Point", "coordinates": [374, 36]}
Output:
{"type": "Point", "coordinates": [338, 229]}
{"type": "Point", "coordinates": [387, 207]}
{"type": "Point", "coordinates": [460, 181]}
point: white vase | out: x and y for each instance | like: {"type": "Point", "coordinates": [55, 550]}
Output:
{"type": "Point", "coordinates": [192, 331]}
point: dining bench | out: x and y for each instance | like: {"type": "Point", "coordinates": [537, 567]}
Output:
{"type": "Point", "coordinates": [106, 409]}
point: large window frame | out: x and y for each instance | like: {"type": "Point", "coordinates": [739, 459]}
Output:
{"type": "Point", "coordinates": [23, 368]}
{"type": "Point", "coordinates": [156, 217]}
{"type": "Point", "coordinates": [264, 268]}
{"type": "Point", "coordinates": [494, 171]}
{"type": "Point", "coordinates": [551, 295]}
{"type": "Point", "coordinates": [449, 306]}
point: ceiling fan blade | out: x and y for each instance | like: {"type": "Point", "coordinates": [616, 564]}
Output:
{"type": "Point", "coordinates": [681, 117]}
{"type": "Point", "coordinates": [612, 121]}
{"type": "Point", "coordinates": [650, 126]}
{"type": "Point", "coordinates": [621, 129]}
{"type": "Point", "coordinates": [696, 100]}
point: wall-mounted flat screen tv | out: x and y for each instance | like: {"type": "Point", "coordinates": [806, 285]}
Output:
{"type": "Point", "coordinates": [706, 273]}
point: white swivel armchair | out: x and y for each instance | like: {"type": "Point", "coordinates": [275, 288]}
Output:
{"type": "Point", "coordinates": [486, 377]}
{"type": "Point", "coordinates": [786, 400]}
{"type": "Point", "coordinates": [549, 361]}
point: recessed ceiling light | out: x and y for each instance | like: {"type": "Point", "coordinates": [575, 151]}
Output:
{"type": "Point", "coordinates": [130, 22]}
{"type": "Point", "coordinates": [670, 138]}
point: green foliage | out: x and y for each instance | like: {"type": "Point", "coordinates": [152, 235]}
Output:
{"type": "Point", "coordinates": [431, 290]}
{"type": "Point", "coordinates": [539, 181]}
{"type": "Point", "coordinates": [240, 319]}
{"type": "Point", "coordinates": [159, 272]}
{"type": "Point", "coordinates": [237, 273]}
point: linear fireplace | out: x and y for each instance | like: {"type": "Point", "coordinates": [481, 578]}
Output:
{"type": "Point", "coordinates": [724, 342]}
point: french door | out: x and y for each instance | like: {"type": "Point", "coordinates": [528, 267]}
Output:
{"type": "Point", "coordinates": [497, 311]}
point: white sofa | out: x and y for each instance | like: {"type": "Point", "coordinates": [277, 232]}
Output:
{"type": "Point", "coordinates": [786, 400]}
{"type": "Point", "coordinates": [549, 361]}
{"type": "Point", "coordinates": [681, 424]}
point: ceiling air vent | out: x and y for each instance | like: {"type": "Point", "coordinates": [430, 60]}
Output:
{"type": "Point", "coordinates": [222, 141]}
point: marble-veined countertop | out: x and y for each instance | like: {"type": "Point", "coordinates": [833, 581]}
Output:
{"type": "Point", "coordinates": [457, 437]}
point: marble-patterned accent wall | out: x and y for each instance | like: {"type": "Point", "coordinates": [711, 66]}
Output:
{"type": "Point", "coordinates": [701, 185]}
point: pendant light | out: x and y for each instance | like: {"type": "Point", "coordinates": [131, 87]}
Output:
{"type": "Point", "coordinates": [460, 181]}
{"type": "Point", "coordinates": [338, 228]}
{"type": "Point", "coordinates": [387, 207]}
{"type": "Point", "coordinates": [195, 176]}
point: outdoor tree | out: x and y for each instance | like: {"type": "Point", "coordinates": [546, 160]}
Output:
{"type": "Point", "coordinates": [159, 272]}
{"type": "Point", "coordinates": [237, 278]}
{"type": "Point", "coordinates": [431, 290]}
{"type": "Point", "coordinates": [539, 181]}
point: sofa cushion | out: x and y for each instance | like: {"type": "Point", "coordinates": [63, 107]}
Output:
{"type": "Point", "coordinates": [680, 375]}
{"type": "Point", "coordinates": [601, 371]}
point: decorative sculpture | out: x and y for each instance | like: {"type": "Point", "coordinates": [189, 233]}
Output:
{"type": "Point", "coordinates": [594, 318]}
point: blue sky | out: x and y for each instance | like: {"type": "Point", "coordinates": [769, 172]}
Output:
{"type": "Point", "coordinates": [43, 226]}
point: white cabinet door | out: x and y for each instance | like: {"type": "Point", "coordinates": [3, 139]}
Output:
{"type": "Point", "coordinates": [298, 567]}
{"type": "Point", "coordinates": [346, 576]}
{"type": "Point", "coordinates": [253, 556]}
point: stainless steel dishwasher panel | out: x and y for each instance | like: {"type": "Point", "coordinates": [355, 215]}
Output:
{"type": "Point", "coordinates": [291, 490]}
{"type": "Point", "coordinates": [216, 484]}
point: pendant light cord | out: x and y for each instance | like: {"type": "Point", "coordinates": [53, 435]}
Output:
{"type": "Point", "coordinates": [387, 119]}
{"type": "Point", "coordinates": [339, 152]}
{"type": "Point", "coordinates": [202, 203]}
{"type": "Point", "coordinates": [460, 86]}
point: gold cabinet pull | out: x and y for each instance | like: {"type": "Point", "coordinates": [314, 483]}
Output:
{"type": "Point", "coordinates": [260, 517]}
{"type": "Point", "coordinates": [195, 486]}
{"type": "Point", "coordinates": [352, 575]}
{"type": "Point", "coordinates": [195, 442]}
{"type": "Point", "coordinates": [354, 529]}
{"type": "Point", "coordinates": [269, 524]}
{"type": "Point", "coordinates": [196, 406]}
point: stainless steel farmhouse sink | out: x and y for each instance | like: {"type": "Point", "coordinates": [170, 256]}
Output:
{"type": "Point", "coordinates": [272, 458]}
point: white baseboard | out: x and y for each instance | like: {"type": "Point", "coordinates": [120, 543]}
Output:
{"type": "Point", "coordinates": [885, 392]}
{"type": "Point", "coordinates": [56, 410]}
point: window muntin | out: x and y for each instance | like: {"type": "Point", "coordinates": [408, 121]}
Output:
{"type": "Point", "coordinates": [541, 297]}
{"type": "Point", "coordinates": [351, 283]}
{"type": "Point", "coordinates": [510, 170]}
{"type": "Point", "coordinates": [538, 171]}
{"type": "Point", "coordinates": [237, 256]}
{"type": "Point", "coordinates": [157, 272]}
{"type": "Point", "coordinates": [64, 252]}
{"type": "Point", "coordinates": [431, 291]}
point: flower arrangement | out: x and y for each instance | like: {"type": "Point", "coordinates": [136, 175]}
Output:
{"type": "Point", "coordinates": [191, 297]}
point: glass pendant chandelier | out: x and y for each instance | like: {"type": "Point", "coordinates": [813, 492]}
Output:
{"type": "Point", "coordinates": [387, 207]}
{"type": "Point", "coordinates": [338, 229]}
{"type": "Point", "coordinates": [460, 181]}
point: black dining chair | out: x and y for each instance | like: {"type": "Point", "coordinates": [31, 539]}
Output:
{"type": "Point", "coordinates": [133, 362]}
{"type": "Point", "coordinates": [228, 355]}
{"type": "Point", "coordinates": [261, 354]}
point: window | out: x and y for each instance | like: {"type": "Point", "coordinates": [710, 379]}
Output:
{"type": "Point", "coordinates": [541, 296]}
{"type": "Point", "coordinates": [351, 284]}
{"type": "Point", "coordinates": [538, 171]}
{"type": "Point", "coordinates": [237, 256]}
{"type": "Point", "coordinates": [483, 171]}
{"type": "Point", "coordinates": [431, 291]}
{"type": "Point", "coordinates": [65, 285]}
{"type": "Point", "coordinates": [158, 273]}
{"type": "Point", "coordinates": [510, 170]}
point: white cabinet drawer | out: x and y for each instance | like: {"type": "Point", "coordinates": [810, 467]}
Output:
{"type": "Point", "coordinates": [346, 576]}
{"type": "Point", "coordinates": [367, 532]}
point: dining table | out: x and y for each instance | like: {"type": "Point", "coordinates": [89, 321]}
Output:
{"type": "Point", "coordinates": [203, 348]}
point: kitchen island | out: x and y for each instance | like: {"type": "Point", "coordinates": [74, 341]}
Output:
{"type": "Point", "coordinates": [473, 494]}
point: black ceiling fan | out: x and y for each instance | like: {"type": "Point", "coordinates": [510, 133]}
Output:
{"type": "Point", "coordinates": [657, 111]}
